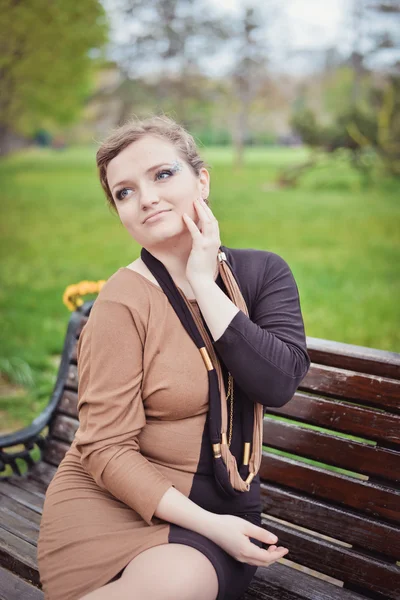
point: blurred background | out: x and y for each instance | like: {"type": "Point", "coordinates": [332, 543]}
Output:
{"type": "Point", "coordinates": [295, 104]}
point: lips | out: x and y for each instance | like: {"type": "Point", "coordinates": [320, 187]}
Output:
{"type": "Point", "coordinates": [158, 212]}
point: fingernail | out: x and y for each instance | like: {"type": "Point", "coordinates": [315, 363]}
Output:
{"type": "Point", "coordinates": [273, 539]}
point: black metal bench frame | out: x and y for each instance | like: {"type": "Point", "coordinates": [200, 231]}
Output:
{"type": "Point", "coordinates": [342, 531]}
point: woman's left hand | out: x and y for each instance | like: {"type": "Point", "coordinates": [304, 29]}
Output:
{"type": "Point", "coordinates": [202, 261]}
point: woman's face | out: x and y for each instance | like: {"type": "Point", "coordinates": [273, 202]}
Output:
{"type": "Point", "coordinates": [147, 177]}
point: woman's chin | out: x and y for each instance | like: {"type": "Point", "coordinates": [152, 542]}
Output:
{"type": "Point", "coordinates": [164, 234]}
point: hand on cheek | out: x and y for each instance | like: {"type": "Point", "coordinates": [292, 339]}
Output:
{"type": "Point", "coordinates": [202, 261]}
{"type": "Point", "coordinates": [196, 217]}
{"type": "Point", "coordinates": [192, 212]}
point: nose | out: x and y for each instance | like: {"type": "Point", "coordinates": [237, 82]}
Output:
{"type": "Point", "coordinates": [148, 198]}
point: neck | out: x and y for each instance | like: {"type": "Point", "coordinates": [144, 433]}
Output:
{"type": "Point", "coordinates": [174, 254]}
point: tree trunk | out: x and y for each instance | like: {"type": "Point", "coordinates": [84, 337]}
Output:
{"type": "Point", "coordinates": [10, 142]}
{"type": "Point", "coordinates": [242, 128]}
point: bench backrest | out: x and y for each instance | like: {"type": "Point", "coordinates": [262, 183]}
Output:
{"type": "Point", "coordinates": [333, 500]}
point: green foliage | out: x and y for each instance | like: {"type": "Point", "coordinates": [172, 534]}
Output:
{"type": "Point", "coordinates": [263, 138]}
{"type": "Point", "coordinates": [304, 122]}
{"type": "Point", "coordinates": [46, 60]}
{"type": "Point", "coordinates": [338, 135]}
{"type": "Point", "coordinates": [337, 90]}
{"type": "Point", "coordinates": [214, 137]}
{"type": "Point", "coordinates": [16, 371]}
{"type": "Point", "coordinates": [371, 133]}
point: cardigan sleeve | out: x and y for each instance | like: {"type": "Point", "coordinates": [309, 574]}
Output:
{"type": "Point", "coordinates": [267, 354]}
{"type": "Point", "coordinates": [111, 411]}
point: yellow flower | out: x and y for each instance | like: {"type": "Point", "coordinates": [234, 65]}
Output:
{"type": "Point", "coordinates": [72, 293]}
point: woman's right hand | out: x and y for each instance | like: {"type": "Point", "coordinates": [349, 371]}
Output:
{"type": "Point", "coordinates": [233, 535]}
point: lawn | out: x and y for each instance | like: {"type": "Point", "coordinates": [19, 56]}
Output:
{"type": "Point", "coordinates": [340, 240]}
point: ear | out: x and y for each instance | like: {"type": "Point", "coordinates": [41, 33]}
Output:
{"type": "Point", "coordinates": [204, 178]}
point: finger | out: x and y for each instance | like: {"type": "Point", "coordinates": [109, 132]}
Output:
{"type": "Point", "coordinates": [208, 209]}
{"type": "Point", "coordinates": [209, 212]}
{"type": "Point", "coordinates": [205, 219]}
{"type": "Point", "coordinates": [259, 556]}
{"type": "Point", "coordinates": [279, 552]}
{"type": "Point", "coordinates": [211, 225]}
{"type": "Point", "coordinates": [201, 206]}
{"type": "Point", "coordinates": [259, 533]}
{"type": "Point", "coordinates": [191, 225]}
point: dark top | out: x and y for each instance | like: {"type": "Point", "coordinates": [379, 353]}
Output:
{"type": "Point", "coordinates": [266, 352]}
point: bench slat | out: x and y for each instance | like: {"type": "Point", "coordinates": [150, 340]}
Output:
{"type": "Point", "coordinates": [71, 381]}
{"type": "Point", "coordinates": [280, 581]}
{"type": "Point", "coordinates": [13, 587]}
{"type": "Point", "coordinates": [354, 358]}
{"type": "Point", "coordinates": [18, 556]}
{"type": "Point", "coordinates": [55, 452]}
{"type": "Point", "coordinates": [370, 498]}
{"type": "Point", "coordinates": [336, 451]}
{"type": "Point", "coordinates": [43, 472]}
{"type": "Point", "coordinates": [347, 418]}
{"type": "Point", "coordinates": [345, 564]}
{"type": "Point", "coordinates": [74, 352]}
{"type": "Point", "coordinates": [64, 428]}
{"type": "Point", "coordinates": [25, 482]}
{"type": "Point", "coordinates": [19, 526]}
{"type": "Point", "coordinates": [330, 520]}
{"type": "Point", "coordinates": [10, 506]}
{"type": "Point", "coordinates": [371, 390]}
{"type": "Point", "coordinates": [69, 403]}
{"type": "Point", "coordinates": [24, 497]}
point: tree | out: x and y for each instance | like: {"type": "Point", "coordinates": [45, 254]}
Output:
{"type": "Point", "coordinates": [387, 35]}
{"type": "Point", "coordinates": [165, 44]}
{"type": "Point", "coordinates": [363, 103]}
{"type": "Point", "coordinates": [249, 71]}
{"type": "Point", "coordinates": [165, 36]}
{"type": "Point", "coordinates": [375, 27]}
{"type": "Point", "coordinates": [47, 51]}
{"type": "Point", "coordinates": [360, 131]}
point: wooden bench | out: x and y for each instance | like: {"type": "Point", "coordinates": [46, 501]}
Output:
{"type": "Point", "coordinates": [341, 528]}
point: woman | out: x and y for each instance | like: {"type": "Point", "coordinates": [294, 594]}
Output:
{"type": "Point", "coordinates": [159, 495]}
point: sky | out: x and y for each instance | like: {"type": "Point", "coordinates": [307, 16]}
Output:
{"type": "Point", "coordinates": [306, 25]}
{"type": "Point", "coordinates": [312, 23]}
{"type": "Point", "coordinates": [309, 26]}
{"type": "Point", "coordinates": [306, 28]}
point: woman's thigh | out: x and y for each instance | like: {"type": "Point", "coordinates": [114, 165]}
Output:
{"type": "Point", "coordinates": [164, 572]}
{"type": "Point", "coordinates": [173, 571]}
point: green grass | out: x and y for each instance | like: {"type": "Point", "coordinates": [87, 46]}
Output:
{"type": "Point", "coordinates": [340, 240]}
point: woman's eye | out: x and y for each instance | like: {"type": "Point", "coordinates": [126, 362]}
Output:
{"type": "Point", "coordinates": [120, 194]}
{"type": "Point", "coordinates": [163, 172]}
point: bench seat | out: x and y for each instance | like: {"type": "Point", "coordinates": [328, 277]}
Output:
{"type": "Point", "coordinates": [21, 501]}
{"type": "Point", "coordinates": [330, 478]}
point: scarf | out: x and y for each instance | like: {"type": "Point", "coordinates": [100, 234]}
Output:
{"type": "Point", "coordinates": [229, 479]}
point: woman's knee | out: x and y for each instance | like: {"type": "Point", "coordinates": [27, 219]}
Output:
{"type": "Point", "coordinates": [172, 571]}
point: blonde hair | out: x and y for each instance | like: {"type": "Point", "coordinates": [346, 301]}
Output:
{"type": "Point", "coordinates": [161, 126]}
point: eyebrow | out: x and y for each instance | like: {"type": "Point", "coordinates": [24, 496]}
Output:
{"type": "Point", "coordinates": [149, 170]}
